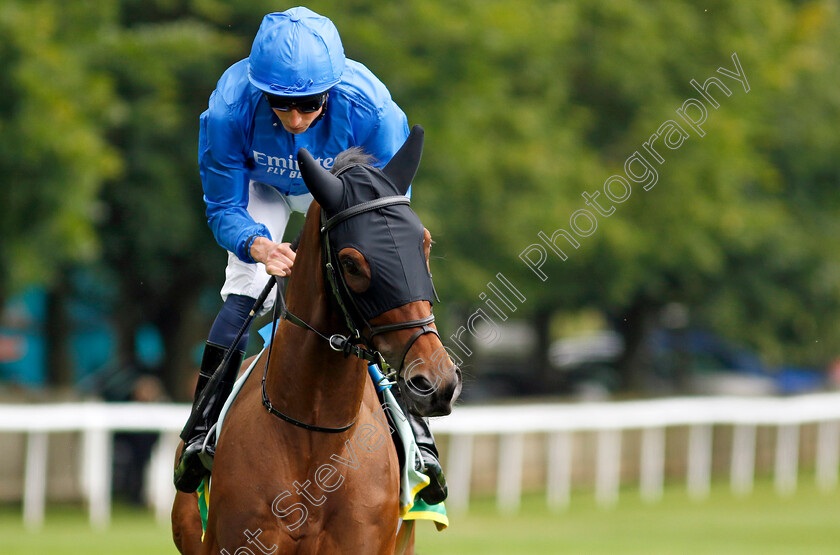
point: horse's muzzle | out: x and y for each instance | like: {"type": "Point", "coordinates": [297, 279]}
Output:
{"type": "Point", "coordinates": [431, 399]}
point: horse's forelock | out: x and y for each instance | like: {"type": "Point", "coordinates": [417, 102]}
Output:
{"type": "Point", "coordinates": [352, 156]}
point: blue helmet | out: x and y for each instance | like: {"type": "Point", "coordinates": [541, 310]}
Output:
{"type": "Point", "coordinates": [296, 53]}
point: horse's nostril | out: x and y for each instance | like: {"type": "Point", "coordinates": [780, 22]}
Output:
{"type": "Point", "coordinates": [420, 386]}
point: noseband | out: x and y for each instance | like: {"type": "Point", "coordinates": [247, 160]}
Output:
{"type": "Point", "coordinates": [356, 343]}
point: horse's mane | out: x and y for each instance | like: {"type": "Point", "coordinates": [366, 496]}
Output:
{"type": "Point", "coordinates": [352, 156]}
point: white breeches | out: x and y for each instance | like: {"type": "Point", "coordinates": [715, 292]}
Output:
{"type": "Point", "coordinates": [272, 208]}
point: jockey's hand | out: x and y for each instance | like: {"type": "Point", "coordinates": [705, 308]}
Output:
{"type": "Point", "coordinates": [278, 258]}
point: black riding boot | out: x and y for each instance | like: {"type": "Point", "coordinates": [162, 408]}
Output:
{"type": "Point", "coordinates": [436, 491]}
{"type": "Point", "coordinates": [191, 468]}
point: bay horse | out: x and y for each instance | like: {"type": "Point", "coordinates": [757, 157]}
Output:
{"type": "Point", "coordinates": [304, 462]}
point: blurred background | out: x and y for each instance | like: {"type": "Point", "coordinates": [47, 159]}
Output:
{"type": "Point", "coordinates": [722, 279]}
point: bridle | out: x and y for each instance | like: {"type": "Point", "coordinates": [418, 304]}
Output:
{"type": "Point", "coordinates": [356, 343]}
{"type": "Point", "coordinates": [344, 296]}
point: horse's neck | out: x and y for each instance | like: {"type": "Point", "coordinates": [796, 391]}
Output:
{"type": "Point", "coordinates": [307, 380]}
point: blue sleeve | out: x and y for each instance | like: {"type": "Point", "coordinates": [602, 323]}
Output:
{"type": "Point", "coordinates": [388, 135]}
{"type": "Point", "coordinates": [224, 176]}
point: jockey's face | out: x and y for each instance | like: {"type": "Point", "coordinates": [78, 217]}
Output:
{"type": "Point", "coordinates": [294, 121]}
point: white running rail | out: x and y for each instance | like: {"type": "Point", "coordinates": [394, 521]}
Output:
{"type": "Point", "coordinates": [558, 422]}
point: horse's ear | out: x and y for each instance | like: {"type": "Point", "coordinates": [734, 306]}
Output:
{"type": "Point", "coordinates": [403, 166]}
{"type": "Point", "coordinates": [327, 189]}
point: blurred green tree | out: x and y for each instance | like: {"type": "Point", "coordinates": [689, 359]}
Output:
{"type": "Point", "coordinates": [53, 154]}
{"type": "Point", "coordinates": [54, 158]}
{"type": "Point", "coordinates": [164, 60]}
{"type": "Point", "coordinates": [526, 106]}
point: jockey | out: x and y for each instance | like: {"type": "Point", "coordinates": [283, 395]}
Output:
{"type": "Point", "coordinates": [295, 90]}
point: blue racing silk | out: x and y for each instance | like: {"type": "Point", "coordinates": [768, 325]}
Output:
{"type": "Point", "coordinates": [241, 139]}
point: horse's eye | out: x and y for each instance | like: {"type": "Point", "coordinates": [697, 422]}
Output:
{"type": "Point", "coordinates": [350, 266]}
{"type": "Point", "coordinates": [355, 269]}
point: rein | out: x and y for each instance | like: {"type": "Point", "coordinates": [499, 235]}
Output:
{"type": "Point", "coordinates": [286, 315]}
{"type": "Point", "coordinates": [337, 342]}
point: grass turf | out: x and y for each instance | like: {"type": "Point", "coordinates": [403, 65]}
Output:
{"type": "Point", "coordinates": [763, 523]}
{"type": "Point", "coordinates": [808, 522]}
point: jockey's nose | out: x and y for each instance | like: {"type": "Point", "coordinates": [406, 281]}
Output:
{"type": "Point", "coordinates": [295, 117]}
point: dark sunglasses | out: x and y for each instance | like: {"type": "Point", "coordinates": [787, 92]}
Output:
{"type": "Point", "coordinates": [306, 104]}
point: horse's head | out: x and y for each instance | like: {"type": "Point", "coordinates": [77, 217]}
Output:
{"type": "Point", "coordinates": [377, 253]}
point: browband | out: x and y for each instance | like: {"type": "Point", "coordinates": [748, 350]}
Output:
{"type": "Point", "coordinates": [362, 208]}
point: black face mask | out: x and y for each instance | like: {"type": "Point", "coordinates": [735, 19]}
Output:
{"type": "Point", "coordinates": [390, 237]}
